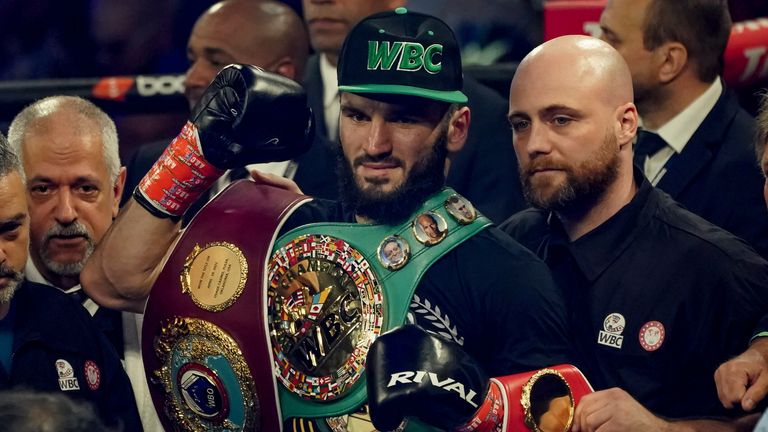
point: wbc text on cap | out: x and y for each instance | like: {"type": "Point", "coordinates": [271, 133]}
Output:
{"type": "Point", "coordinates": [402, 52]}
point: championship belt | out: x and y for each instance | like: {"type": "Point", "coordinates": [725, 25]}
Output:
{"type": "Point", "coordinates": [242, 332]}
{"type": "Point", "coordinates": [334, 287]}
{"type": "Point", "coordinates": [204, 338]}
{"type": "Point", "coordinates": [540, 401]}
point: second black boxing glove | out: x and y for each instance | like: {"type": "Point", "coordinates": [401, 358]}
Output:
{"type": "Point", "coordinates": [411, 373]}
{"type": "Point", "coordinates": [246, 115]}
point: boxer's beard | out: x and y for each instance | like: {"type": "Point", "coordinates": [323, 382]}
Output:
{"type": "Point", "coordinates": [425, 179]}
{"type": "Point", "coordinates": [16, 278]}
{"type": "Point", "coordinates": [583, 185]}
{"type": "Point", "coordinates": [71, 230]}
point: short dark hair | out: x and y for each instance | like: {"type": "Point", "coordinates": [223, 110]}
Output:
{"type": "Point", "coordinates": [703, 26]}
{"type": "Point", "coordinates": [761, 138]}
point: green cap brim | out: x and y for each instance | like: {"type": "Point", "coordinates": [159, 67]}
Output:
{"type": "Point", "coordinates": [452, 96]}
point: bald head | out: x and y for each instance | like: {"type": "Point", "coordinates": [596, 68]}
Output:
{"type": "Point", "coordinates": [263, 33]}
{"type": "Point", "coordinates": [573, 123]}
{"type": "Point", "coordinates": [578, 64]}
{"type": "Point", "coordinates": [259, 29]}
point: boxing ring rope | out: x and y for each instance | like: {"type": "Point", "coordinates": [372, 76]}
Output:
{"type": "Point", "coordinates": [140, 94]}
{"type": "Point", "coordinates": [746, 64]}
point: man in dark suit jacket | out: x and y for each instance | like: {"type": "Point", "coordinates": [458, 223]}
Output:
{"type": "Point", "coordinates": [484, 171]}
{"type": "Point", "coordinates": [267, 34]}
{"type": "Point", "coordinates": [705, 161]}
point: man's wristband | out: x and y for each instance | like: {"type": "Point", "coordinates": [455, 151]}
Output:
{"type": "Point", "coordinates": [147, 204]}
{"type": "Point", "coordinates": [178, 177]}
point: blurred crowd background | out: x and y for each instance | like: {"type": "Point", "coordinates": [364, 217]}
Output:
{"type": "Point", "coordinates": [93, 38]}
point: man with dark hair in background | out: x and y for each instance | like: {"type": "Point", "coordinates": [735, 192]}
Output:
{"type": "Point", "coordinates": [696, 142]}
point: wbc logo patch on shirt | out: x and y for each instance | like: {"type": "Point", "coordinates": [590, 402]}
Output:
{"type": "Point", "coordinates": [67, 380]}
{"type": "Point", "coordinates": [613, 326]}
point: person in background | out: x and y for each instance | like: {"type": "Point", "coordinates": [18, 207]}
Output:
{"type": "Point", "coordinates": [69, 151]}
{"type": "Point", "coordinates": [743, 381]}
{"type": "Point", "coordinates": [263, 33]}
{"type": "Point", "coordinates": [658, 296]}
{"type": "Point", "coordinates": [30, 411]}
{"type": "Point", "coordinates": [696, 142]}
{"type": "Point", "coordinates": [48, 342]}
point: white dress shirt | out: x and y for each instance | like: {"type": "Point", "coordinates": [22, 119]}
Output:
{"type": "Point", "coordinates": [679, 130]}
{"type": "Point", "coordinates": [330, 97]}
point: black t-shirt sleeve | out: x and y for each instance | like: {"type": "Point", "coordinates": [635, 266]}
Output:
{"type": "Point", "coordinates": [317, 210]}
{"type": "Point", "coordinates": [521, 316]}
{"type": "Point", "coordinates": [747, 283]}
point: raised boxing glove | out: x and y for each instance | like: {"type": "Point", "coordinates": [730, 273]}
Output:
{"type": "Point", "coordinates": [246, 115]}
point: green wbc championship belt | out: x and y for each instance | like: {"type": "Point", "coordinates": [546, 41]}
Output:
{"type": "Point", "coordinates": [334, 287]}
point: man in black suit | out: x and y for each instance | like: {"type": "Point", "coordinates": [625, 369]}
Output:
{"type": "Point", "coordinates": [705, 161]}
{"type": "Point", "coordinates": [267, 34]}
{"type": "Point", "coordinates": [485, 170]}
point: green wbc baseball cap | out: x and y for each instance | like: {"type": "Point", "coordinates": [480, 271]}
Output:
{"type": "Point", "coordinates": [402, 52]}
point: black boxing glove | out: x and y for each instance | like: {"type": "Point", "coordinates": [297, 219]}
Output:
{"type": "Point", "coordinates": [411, 373]}
{"type": "Point", "coordinates": [246, 115]}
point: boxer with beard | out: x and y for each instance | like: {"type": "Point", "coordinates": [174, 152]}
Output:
{"type": "Point", "coordinates": [398, 132]}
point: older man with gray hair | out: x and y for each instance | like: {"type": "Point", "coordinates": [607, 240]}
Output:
{"type": "Point", "coordinates": [68, 148]}
{"type": "Point", "coordinates": [49, 343]}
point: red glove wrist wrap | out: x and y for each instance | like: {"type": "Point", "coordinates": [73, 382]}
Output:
{"type": "Point", "coordinates": [489, 417]}
{"type": "Point", "coordinates": [180, 175]}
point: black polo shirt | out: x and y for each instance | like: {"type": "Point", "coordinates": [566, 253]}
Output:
{"type": "Point", "coordinates": [489, 294]}
{"type": "Point", "coordinates": [58, 348]}
{"type": "Point", "coordinates": [659, 298]}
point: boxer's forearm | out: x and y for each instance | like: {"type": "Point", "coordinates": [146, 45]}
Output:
{"type": "Point", "coordinates": [128, 259]}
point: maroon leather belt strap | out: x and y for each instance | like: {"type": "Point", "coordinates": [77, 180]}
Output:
{"type": "Point", "coordinates": [205, 341]}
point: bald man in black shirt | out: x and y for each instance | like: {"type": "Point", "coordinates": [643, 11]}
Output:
{"type": "Point", "coordinates": [658, 296]}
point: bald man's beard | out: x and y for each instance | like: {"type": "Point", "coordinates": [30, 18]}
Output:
{"type": "Point", "coordinates": [583, 186]}
{"type": "Point", "coordinates": [425, 179]}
